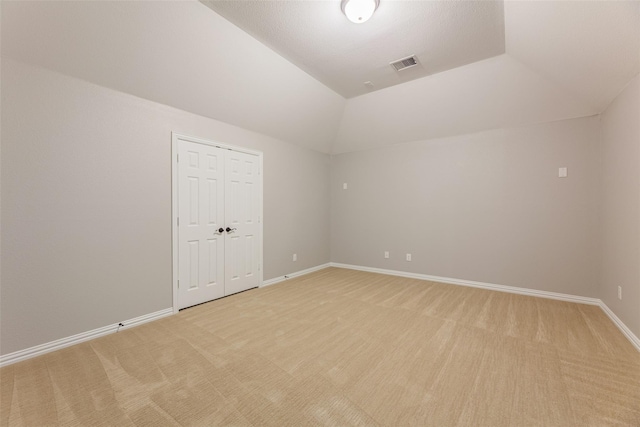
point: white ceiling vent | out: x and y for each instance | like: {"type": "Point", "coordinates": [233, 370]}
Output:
{"type": "Point", "coordinates": [404, 63]}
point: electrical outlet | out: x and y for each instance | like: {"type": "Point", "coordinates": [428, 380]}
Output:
{"type": "Point", "coordinates": [408, 257]}
{"type": "Point", "coordinates": [344, 186]}
{"type": "Point", "coordinates": [386, 254]}
{"type": "Point", "coordinates": [563, 172]}
{"type": "Point", "coordinates": [295, 257]}
{"type": "Point", "coordinates": [620, 292]}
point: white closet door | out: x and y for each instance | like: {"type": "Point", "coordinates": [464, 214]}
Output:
{"type": "Point", "coordinates": [201, 215]}
{"type": "Point", "coordinates": [242, 242]}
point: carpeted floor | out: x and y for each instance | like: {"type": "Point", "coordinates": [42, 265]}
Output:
{"type": "Point", "coordinates": [338, 348]}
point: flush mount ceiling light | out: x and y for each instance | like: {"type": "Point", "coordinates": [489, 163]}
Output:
{"type": "Point", "coordinates": [359, 11]}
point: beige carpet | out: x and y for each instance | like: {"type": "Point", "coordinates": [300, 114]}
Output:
{"type": "Point", "coordinates": [341, 348]}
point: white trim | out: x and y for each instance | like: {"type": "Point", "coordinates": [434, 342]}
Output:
{"type": "Point", "coordinates": [623, 328]}
{"type": "Point", "coordinates": [181, 137]}
{"type": "Point", "coordinates": [175, 139]}
{"type": "Point", "coordinates": [261, 218]}
{"type": "Point", "coordinates": [482, 285]}
{"type": "Point", "coordinates": [296, 274]}
{"type": "Point", "coordinates": [635, 341]}
{"type": "Point", "coordinates": [174, 219]}
{"type": "Point", "coordinates": [38, 350]}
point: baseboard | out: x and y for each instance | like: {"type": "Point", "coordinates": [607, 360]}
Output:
{"type": "Point", "coordinates": [623, 328]}
{"type": "Point", "coordinates": [38, 350]}
{"type": "Point", "coordinates": [482, 285]}
{"type": "Point", "coordinates": [509, 289]}
{"type": "Point", "coordinates": [292, 275]}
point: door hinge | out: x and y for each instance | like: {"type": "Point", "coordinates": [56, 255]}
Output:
{"type": "Point", "coordinates": [178, 221]}
{"type": "Point", "coordinates": [178, 284]}
{"type": "Point", "coordinates": [177, 158]}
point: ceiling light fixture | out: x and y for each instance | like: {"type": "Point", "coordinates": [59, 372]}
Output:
{"type": "Point", "coordinates": [359, 11]}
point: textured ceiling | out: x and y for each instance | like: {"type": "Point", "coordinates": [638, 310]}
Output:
{"type": "Point", "coordinates": [177, 53]}
{"type": "Point", "coordinates": [318, 38]}
{"type": "Point", "coordinates": [589, 47]}
{"type": "Point", "coordinates": [496, 93]}
{"type": "Point", "coordinates": [564, 59]}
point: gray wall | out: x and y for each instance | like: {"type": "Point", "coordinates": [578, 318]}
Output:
{"type": "Point", "coordinates": [486, 207]}
{"type": "Point", "coordinates": [86, 204]}
{"type": "Point", "coordinates": [86, 199]}
{"type": "Point", "coordinates": [177, 53]}
{"type": "Point", "coordinates": [621, 206]}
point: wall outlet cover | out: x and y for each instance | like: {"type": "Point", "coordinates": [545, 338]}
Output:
{"type": "Point", "coordinates": [562, 172]}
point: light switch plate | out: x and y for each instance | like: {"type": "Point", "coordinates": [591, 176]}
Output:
{"type": "Point", "coordinates": [562, 172]}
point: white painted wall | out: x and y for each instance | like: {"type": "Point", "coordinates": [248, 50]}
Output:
{"type": "Point", "coordinates": [177, 53]}
{"type": "Point", "coordinates": [621, 206]}
{"type": "Point", "coordinates": [86, 204]}
{"type": "Point", "coordinates": [485, 207]}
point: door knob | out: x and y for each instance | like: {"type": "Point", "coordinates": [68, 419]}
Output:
{"type": "Point", "coordinates": [220, 231]}
{"type": "Point", "coordinates": [229, 230]}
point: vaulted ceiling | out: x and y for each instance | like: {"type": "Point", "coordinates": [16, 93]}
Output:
{"type": "Point", "coordinates": [294, 70]}
{"type": "Point", "coordinates": [316, 36]}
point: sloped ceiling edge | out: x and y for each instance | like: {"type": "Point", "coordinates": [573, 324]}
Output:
{"type": "Point", "coordinates": [495, 93]}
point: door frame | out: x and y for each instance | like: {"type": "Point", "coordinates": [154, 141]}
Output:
{"type": "Point", "coordinates": [175, 140]}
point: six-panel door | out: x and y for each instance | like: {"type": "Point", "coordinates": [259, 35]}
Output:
{"type": "Point", "coordinates": [218, 232]}
{"type": "Point", "coordinates": [201, 215]}
{"type": "Point", "coordinates": [241, 216]}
